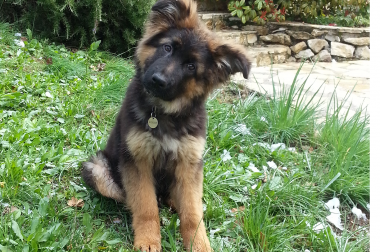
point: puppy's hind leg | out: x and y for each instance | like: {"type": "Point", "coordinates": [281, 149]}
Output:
{"type": "Point", "coordinates": [96, 173]}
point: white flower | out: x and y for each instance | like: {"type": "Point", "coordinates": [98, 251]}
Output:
{"type": "Point", "coordinates": [359, 214]}
{"type": "Point", "coordinates": [48, 94]}
{"type": "Point", "coordinates": [334, 217]}
{"type": "Point", "coordinates": [253, 167]}
{"type": "Point", "coordinates": [306, 250]}
{"type": "Point", "coordinates": [18, 34]}
{"type": "Point", "coordinates": [273, 147]}
{"type": "Point", "coordinates": [272, 165]}
{"type": "Point", "coordinates": [265, 168]}
{"type": "Point", "coordinates": [332, 204]}
{"type": "Point", "coordinates": [212, 232]}
{"type": "Point", "coordinates": [318, 227]}
{"type": "Point", "coordinates": [19, 43]}
{"type": "Point", "coordinates": [292, 149]}
{"type": "Point", "coordinates": [63, 131]}
{"type": "Point", "coordinates": [278, 146]}
{"type": "Point", "coordinates": [284, 168]}
{"type": "Point", "coordinates": [225, 156]}
{"type": "Point", "coordinates": [264, 145]}
{"type": "Point", "coordinates": [242, 128]}
{"type": "Point", "coordinates": [263, 119]}
{"type": "Point", "coordinates": [254, 187]}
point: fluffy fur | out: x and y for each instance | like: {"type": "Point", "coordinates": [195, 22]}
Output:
{"type": "Point", "coordinates": [178, 63]}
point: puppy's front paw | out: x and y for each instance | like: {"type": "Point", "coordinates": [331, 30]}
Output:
{"type": "Point", "coordinates": [200, 245]}
{"type": "Point", "coordinates": [147, 244]}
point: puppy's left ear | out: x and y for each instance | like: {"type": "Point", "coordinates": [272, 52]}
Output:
{"type": "Point", "coordinates": [231, 59]}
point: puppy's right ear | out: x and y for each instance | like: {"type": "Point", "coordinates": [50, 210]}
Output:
{"type": "Point", "coordinates": [168, 14]}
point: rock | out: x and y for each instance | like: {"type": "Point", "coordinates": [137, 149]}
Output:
{"type": "Point", "coordinates": [332, 38]}
{"type": "Point", "coordinates": [291, 59]}
{"type": "Point", "coordinates": [323, 56]}
{"type": "Point", "coordinates": [304, 54]}
{"type": "Point", "coordinates": [261, 30]}
{"type": "Point", "coordinates": [263, 56]}
{"type": "Point", "coordinates": [251, 38]}
{"type": "Point", "coordinates": [219, 25]}
{"type": "Point", "coordinates": [317, 44]}
{"type": "Point", "coordinates": [364, 41]}
{"type": "Point", "coordinates": [277, 38]}
{"type": "Point", "coordinates": [298, 47]}
{"type": "Point", "coordinates": [362, 52]}
{"type": "Point", "coordinates": [299, 34]}
{"type": "Point", "coordinates": [342, 50]}
{"type": "Point", "coordinates": [317, 33]}
{"type": "Point", "coordinates": [281, 29]}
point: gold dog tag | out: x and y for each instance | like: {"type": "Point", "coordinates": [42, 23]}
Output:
{"type": "Point", "coordinates": [153, 122]}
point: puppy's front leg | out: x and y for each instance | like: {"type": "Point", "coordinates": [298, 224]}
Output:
{"type": "Point", "coordinates": [187, 199]}
{"type": "Point", "coordinates": [142, 201]}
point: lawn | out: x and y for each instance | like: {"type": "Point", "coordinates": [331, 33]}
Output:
{"type": "Point", "coordinates": [269, 168]}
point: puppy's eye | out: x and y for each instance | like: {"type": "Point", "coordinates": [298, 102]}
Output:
{"type": "Point", "coordinates": [191, 67]}
{"type": "Point", "coordinates": [167, 48]}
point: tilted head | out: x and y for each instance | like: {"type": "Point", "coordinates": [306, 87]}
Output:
{"type": "Point", "coordinates": [179, 60]}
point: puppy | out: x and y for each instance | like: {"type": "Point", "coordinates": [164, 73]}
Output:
{"type": "Point", "coordinates": [155, 148]}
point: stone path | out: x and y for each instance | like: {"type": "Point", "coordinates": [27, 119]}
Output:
{"type": "Point", "coordinates": [344, 75]}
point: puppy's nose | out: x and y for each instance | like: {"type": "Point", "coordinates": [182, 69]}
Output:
{"type": "Point", "coordinates": [159, 80]}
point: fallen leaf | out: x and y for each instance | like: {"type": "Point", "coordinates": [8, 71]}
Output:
{"type": "Point", "coordinates": [265, 177]}
{"type": "Point", "coordinates": [240, 209]}
{"type": "Point", "coordinates": [8, 210]}
{"type": "Point", "coordinates": [2, 184]}
{"type": "Point", "coordinates": [75, 202]}
{"type": "Point", "coordinates": [101, 66]}
{"type": "Point", "coordinates": [263, 242]}
{"type": "Point", "coordinates": [49, 61]}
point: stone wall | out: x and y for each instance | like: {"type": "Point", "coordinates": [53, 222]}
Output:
{"type": "Point", "coordinates": [212, 5]}
{"type": "Point", "coordinates": [304, 40]}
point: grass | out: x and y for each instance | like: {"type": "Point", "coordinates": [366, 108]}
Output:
{"type": "Point", "coordinates": [57, 108]}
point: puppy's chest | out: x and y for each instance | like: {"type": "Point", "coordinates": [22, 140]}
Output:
{"type": "Point", "coordinates": [166, 150]}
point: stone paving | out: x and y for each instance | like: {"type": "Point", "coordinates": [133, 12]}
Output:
{"type": "Point", "coordinates": [342, 75]}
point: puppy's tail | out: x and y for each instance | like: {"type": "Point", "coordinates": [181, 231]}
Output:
{"type": "Point", "coordinates": [96, 173]}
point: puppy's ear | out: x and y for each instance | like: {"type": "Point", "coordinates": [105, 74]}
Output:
{"type": "Point", "coordinates": [167, 14]}
{"type": "Point", "coordinates": [231, 59]}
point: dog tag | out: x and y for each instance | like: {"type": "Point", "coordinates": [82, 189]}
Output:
{"type": "Point", "coordinates": [153, 122]}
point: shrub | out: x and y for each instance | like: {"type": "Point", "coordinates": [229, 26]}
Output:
{"type": "Point", "coordinates": [78, 23]}
{"type": "Point", "coordinates": [351, 13]}
{"type": "Point", "coordinates": [259, 11]}
{"type": "Point", "coordinates": [306, 8]}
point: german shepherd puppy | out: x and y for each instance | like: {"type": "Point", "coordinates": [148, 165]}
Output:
{"type": "Point", "coordinates": [155, 149]}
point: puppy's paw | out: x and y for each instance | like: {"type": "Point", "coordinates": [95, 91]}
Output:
{"type": "Point", "coordinates": [200, 246]}
{"type": "Point", "coordinates": [147, 245]}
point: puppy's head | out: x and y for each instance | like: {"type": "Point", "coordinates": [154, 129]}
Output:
{"type": "Point", "coordinates": [180, 60]}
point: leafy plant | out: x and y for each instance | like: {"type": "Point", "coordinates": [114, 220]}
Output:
{"type": "Point", "coordinates": [340, 12]}
{"type": "Point", "coordinates": [306, 10]}
{"type": "Point", "coordinates": [259, 11]}
{"type": "Point", "coordinates": [79, 23]}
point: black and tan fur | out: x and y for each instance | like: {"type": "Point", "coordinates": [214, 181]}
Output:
{"type": "Point", "coordinates": [178, 63]}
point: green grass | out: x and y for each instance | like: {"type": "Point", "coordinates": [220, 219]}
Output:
{"type": "Point", "coordinates": [57, 108]}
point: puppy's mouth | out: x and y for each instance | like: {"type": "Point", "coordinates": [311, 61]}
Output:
{"type": "Point", "coordinates": [158, 93]}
